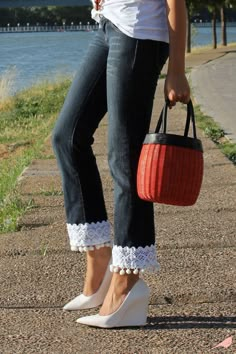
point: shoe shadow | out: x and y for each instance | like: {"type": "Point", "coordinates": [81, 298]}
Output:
{"type": "Point", "coordinates": [190, 322]}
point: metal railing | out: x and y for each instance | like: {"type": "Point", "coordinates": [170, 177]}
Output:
{"type": "Point", "coordinates": [30, 3]}
{"type": "Point", "coordinates": [70, 28]}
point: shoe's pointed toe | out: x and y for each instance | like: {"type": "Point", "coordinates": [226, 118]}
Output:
{"type": "Point", "coordinates": [83, 302]}
{"type": "Point", "coordinates": [89, 320]}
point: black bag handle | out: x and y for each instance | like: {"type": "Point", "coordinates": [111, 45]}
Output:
{"type": "Point", "coordinates": [162, 122]}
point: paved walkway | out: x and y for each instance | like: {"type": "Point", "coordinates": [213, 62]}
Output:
{"type": "Point", "coordinates": [214, 86]}
{"type": "Point", "coordinates": [193, 298]}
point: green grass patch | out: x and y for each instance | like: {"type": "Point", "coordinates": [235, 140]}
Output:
{"type": "Point", "coordinates": [26, 116]}
{"type": "Point", "coordinates": [26, 121]}
{"type": "Point", "coordinates": [216, 134]}
{"type": "Point", "coordinates": [11, 209]}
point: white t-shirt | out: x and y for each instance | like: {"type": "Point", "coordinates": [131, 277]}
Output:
{"type": "Point", "coordinates": [141, 19]}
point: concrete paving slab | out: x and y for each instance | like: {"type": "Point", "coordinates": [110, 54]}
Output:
{"type": "Point", "coordinates": [218, 174]}
{"type": "Point", "coordinates": [215, 97]}
{"type": "Point", "coordinates": [194, 276]}
{"type": "Point", "coordinates": [40, 280]}
{"type": "Point", "coordinates": [40, 184]}
{"type": "Point", "coordinates": [42, 216]}
{"type": "Point", "coordinates": [214, 157]}
{"type": "Point", "coordinates": [100, 149]}
{"type": "Point", "coordinates": [171, 329]}
{"type": "Point", "coordinates": [175, 229]}
{"type": "Point", "coordinates": [196, 230]}
{"type": "Point", "coordinates": [41, 164]}
{"type": "Point", "coordinates": [35, 241]}
{"type": "Point", "coordinates": [187, 276]}
{"type": "Point", "coordinates": [44, 201]}
{"type": "Point", "coordinates": [202, 57]}
{"type": "Point", "coordinates": [215, 197]}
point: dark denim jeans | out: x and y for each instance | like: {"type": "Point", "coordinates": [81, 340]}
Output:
{"type": "Point", "coordinates": [118, 75]}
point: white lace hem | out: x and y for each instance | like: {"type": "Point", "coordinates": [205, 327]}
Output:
{"type": "Point", "coordinates": [88, 236]}
{"type": "Point", "coordinates": [131, 259]}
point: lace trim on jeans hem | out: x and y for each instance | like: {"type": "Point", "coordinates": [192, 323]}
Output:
{"type": "Point", "coordinates": [84, 237]}
{"type": "Point", "coordinates": [126, 260]}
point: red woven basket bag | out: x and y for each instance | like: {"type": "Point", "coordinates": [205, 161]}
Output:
{"type": "Point", "coordinates": [170, 168]}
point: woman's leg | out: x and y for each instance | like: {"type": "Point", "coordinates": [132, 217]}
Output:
{"type": "Point", "coordinates": [84, 107]}
{"type": "Point", "coordinates": [133, 68]}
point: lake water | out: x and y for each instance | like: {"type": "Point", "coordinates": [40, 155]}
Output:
{"type": "Point", "coordinates": [34, 57]}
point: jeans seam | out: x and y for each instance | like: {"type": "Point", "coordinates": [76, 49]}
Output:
{"type": "Point", "coordinates": [135, 54]}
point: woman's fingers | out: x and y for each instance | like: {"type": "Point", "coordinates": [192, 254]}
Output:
{"type": "Point", "coordinates": [177, 89]}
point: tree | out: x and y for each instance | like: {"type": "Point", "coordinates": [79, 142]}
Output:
{"type": "Point", "coordinates": [191, 6]}
{"type": "Point", "coordinates": [212, 7]}
{"type": "Point", "coordinates": [223, 26]}
{"type": "Point", "coordinates": [225, 4]}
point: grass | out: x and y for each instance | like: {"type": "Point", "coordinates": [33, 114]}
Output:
{"type": "Point", "coordinates": [43, 250]}
{"type": "Point", "coordinates": [216, 134]}
{"type": "Point", "coordinates": [11, 209]}
{"type": "Point", "coordinates": [26, 120]}
{"type": "Point", "coordinates": [51, 192]}
{"type": "Point", "coordinates": [28, 115]}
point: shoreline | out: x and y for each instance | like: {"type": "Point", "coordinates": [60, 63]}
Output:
{"type": "Point", "coordinates": [203, 48]}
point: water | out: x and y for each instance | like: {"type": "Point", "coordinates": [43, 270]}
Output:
{"type": "Point", "coordinates": [202, 36]}
{"type": "Point", "coordinates": [43, 56]}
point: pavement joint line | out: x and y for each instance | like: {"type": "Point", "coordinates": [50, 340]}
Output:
{"type": "Point", "coordinates": [52, 252]}
{"type": "Point", "coordinates": [206, 247]}
{"type": "Point", "coordinates": [179, 304]}
{"type": "Point", "coordinates": [30, 307]}
{"type": "Point", "coordinates": [214, 59]}
{"type": "Point", "coordinates": [174, 304]}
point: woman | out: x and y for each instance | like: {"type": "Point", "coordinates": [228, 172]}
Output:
{"type": "Point", "coordinates": [119, 76]}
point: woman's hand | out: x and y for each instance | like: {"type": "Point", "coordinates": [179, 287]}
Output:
{"type": "Point", "coordinates": [176, 89]}
{"type": "Point", "coordinates": [176, 85]}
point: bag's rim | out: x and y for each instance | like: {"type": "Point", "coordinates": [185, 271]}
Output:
{"type": "Point", "coordinates": [173, 139]}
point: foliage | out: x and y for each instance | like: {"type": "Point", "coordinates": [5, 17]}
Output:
{"type": "Point", "coordinates": [216, 134]}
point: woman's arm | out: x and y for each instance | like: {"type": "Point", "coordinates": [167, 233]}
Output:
{"type": "Point", "coordinates": [176, 85]}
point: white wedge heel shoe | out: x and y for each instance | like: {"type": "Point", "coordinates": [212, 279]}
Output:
{"type": "Point", "coordinates": [83, 302]}
{"type": "Point", "coordinates": [132, 312]}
